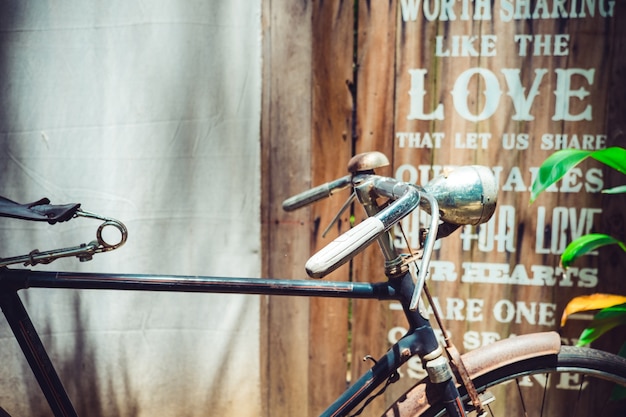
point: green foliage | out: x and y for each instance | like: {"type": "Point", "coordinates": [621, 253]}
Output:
{"type": "Point", "coordinates": [552, 170]}
{"type": "Point", "coordinates": [605, 320]}
{"type": "Point", "coordinates": [561, 162]}
{"type": "Point", "coordinates": [585, 244]}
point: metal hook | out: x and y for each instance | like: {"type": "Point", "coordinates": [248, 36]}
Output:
{"type": "Point", "coordinates": [103, 245]}
{"type": "Point", "coordinates": [84, 252]}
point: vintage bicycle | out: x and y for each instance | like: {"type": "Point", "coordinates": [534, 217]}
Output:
{"type": "Point", "coordinates": [456, 385]}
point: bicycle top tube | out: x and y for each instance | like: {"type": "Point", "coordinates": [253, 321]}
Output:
{"type": "Point", "coordinates": [16, 279]}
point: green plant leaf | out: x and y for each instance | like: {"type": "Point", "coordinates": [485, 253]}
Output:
{"type": "Point", "coordinates": [554, 168]}
{"type": "Point", "coordinates": [602, 322]}
{"type": "Point", "coordinates": [560, 162]}
{"type": "Point", "coordinates": [615, 190]}
{"type": "Point", "coordinates": [614, 157]}
{"type": "Point", "coordinates": [585, 244]}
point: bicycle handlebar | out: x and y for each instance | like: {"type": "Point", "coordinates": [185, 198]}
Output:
{"type": "Point", "coordinates": [315, 194]}
{"type": "Point", "coordinates": [344, 247]}
{"type": "Point", "coordinates": [350, 243]}
{"type": "Point", "coordinates": [461, 196]}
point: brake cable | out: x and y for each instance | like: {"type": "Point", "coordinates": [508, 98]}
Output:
{"type": "Point", "coordinates": [453, 352]}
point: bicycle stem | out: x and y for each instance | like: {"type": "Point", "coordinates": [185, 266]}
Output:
{"type": "Point", "coordinates": [365, 190]}
{"type": "Point", "coordinates": [368, 188]}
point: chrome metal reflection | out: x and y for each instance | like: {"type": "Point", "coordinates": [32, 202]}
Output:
{"type": "Point", "coordinates": [466, 195]}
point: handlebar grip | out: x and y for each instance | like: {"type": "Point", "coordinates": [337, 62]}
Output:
{"type": "Point", "coordinates": [307, 197]}
{"type": "Point", "coordinates": [344, 247]}
{"type": "Point", "coordinates": [315, 194]}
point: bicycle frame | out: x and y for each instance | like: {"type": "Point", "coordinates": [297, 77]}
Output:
{"type": "Point", "coordinates": [474, 190]}
{"type": "Point", "coordinates": [419, 340]}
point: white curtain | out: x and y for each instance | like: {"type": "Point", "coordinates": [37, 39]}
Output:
{"type": "Point", "coordinates": [148, 112]}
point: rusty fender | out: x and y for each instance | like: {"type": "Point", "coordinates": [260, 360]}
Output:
{"type": "Point", "coordinates": [482, 361]}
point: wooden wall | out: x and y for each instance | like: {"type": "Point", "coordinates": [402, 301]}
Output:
{"type": "Point", "coordinates": [344, 77]}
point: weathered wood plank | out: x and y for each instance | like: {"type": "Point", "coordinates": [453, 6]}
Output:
{"type": "Point", "coordinates": [286, 147]}
{"type": "Point", "coordinates": [331, 135]}
{"type": "Point", "coordinates": [375, 60]}
{"type": "Point", "coordinates": [394, 54]}
{"type": "Point", "coordinates": [611, 260]}
{"type": "Point", "coordinates": [518, 287]}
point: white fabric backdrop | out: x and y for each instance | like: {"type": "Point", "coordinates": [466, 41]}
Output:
{"type": "Point", "coordinates": [148, 112]}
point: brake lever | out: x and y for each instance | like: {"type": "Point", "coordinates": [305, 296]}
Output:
{"type": "Point", "coordinates": [84, 252]}
{"type": "Point", "coordinates": [340, 212]}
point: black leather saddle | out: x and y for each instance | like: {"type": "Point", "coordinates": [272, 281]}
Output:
{"type": "Point", "coordinates": [40, 210]}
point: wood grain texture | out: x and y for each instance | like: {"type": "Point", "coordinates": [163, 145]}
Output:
{"type": "Point", "coordinates": [521, 242]}
{"type": "Point", "coordinates": [375, 63]}
{"type": "Point", "coordinates": [286, 147]}
{"type": "Point", "coordinates": [526, 244]}
{"type": "Point", "coordinates": [331, 134]}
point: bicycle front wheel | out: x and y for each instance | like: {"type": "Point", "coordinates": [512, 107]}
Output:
{"type": "Point", "coordinates": [576, 382]}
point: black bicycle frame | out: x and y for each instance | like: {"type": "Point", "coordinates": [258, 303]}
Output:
{"type": "Point", "coordinates": [419, 340]}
